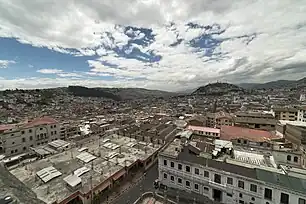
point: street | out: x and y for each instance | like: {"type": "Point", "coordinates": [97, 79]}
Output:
{"type": "Point", "coordinates": [146, 184]}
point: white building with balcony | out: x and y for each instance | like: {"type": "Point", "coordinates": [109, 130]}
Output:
{"type": "Point", "coordinates": [229, 181]}
{"type": "Point", "coordinates": [18, 138]}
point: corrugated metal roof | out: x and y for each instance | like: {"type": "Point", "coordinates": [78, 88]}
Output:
{"type": "Point", "coordinates": [48, 174]}
{"type": "Point", "coordinates": [86, 157]}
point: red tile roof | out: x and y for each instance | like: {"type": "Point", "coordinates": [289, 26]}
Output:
{"type": "Point", "coordinates": [40, 121]}
{"type": "Point", "coordinates": [233, 132]}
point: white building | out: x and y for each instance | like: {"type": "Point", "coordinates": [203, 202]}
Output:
{"type": "Point", "coordinates": [18, 138]}
{"type": "Point", "coordinates": [303, 97]}
{"type": "Point", "coordinates": [229, 181]}
{"type": "Point", "coordinates": [302, 114]}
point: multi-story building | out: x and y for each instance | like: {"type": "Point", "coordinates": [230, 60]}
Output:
{"type": "Point", "coordinates": [69, 130]}
{"type": "Point", "coordinates": [302, 114]}
{"type": "Point", "coordinates": [218, 119]}
{"type": "Point", "coordinates": [243, 177]}
{"type": "Point", "coordinates": [285, 113]}
{"type": "Point", "coordinates": [255, 120]}
{"type": "Point", "coordinates": [18, 138]}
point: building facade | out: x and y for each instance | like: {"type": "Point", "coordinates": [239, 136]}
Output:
{"type": "Point", "coordinates": [285, 113]}
{"type": "Point", "coordinates": [226, 183]}
{"type": "Point", "coordinates": [18, 138]}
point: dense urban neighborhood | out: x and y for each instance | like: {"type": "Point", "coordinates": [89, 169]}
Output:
{"type": "Point", "coordinates": [220, 143]}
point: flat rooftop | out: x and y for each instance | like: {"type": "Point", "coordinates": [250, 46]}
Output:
{"type": "Point", "coordinates": [95, 162]}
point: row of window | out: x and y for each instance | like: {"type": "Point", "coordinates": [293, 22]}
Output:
{"type": "Point", "coordinates": [295, 159]}
{"type": "Point", "coordinates": [284, 199]}
{"type": "Point", "coordinates": [217, 177]}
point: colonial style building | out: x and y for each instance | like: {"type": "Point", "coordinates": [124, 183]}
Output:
{"type": "Point", "coordinates": [229, 181]}
{"type": "Point", "coordinates": [18, 138]}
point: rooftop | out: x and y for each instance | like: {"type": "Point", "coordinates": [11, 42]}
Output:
{"type": "Point", "coordinates": [294, 123]}
{"type": "Point", "coordinates": [233, 132]}
{"type": "Point", "coordinates": [204, 129]}
{"type": "Point", "coordinates": [98, 164]}
{"type": "Point", "coordinates": [251, 165]}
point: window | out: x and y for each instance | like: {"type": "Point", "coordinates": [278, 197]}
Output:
{"type": "Point", "coordinates": [239, 141]}
{"type": "Point", "coordinates": [31, 137]}
{"type": "Point", "coordinates": [196, 171]}
{"type": "Point", "coordinates": [240, 195]}
{"type": "Point", "coordinates": [284, 198]}
{"type": "Point", "coordinates": [187, 168]}
{"type": "Point", "coordinates": [295, 159]}
{"type": "Point", "coordinates": [51, 132]}
{"type": "Point", "coordinates": [40, 128]}
{"type": "Point", "coordinates": [12, 134]}
{"type": "Point", "coordinates": [165, 176]}
{"type": "Point", "coordinates": [196, 186]}
{"type": "Point", "coordinates": [13, 142]}
{"type": "Point", "coordinates": [289, 158]}
{"type": "Point", "coordinates": [16, 150]}
{"type": "Point", "coordinates": [253, 199]}
{"type": "Point", "coordinates": [12, 152]}
{"type": "Point", "coordinates": [206, 189]}
{"type": "Point", "coordinates": [241, 202]}
{"type": "Point", "coordinates": [187, 184]}
{"type": "Point", "coordinates": [22, 132]}
{"type": "Point", "coordinates": [24, 148]}
{"type": "Point", "coordinates": [179, 180]}
{"type": "Point", "coordinates": [302, 201]}
{"type": "Point", "coordinates": [165, 162]}
{"type": "Point", "coordinates": [206, 174]}
{"type": "Point", "coordinates": [217, 178]}
{"type": "Point", "coordinates": [268, 194]}
{"type": "Point", "coordinates": [245, 142]}
{"type": "Point", "coordinates": [31, 145]}
{"type": "Point", "coordinates": [55, 132]}
{"type": "Point", "coordinates": [30, 130]}
{"type": "Point", "coordinates": [241, 184]}
{"type": "Point", "coordinates": [253, 188]}
{"type": "Point", "coordinates": [229, 180]}
{"type": "Point", "coordinates": [54, 126]}
{"type": "Point", "coordinates": [179, 166]}
{"type": "Point", "coordinates": [23, 139]}
{"type": "Point", "coordinates": [229, 195]}
{"type": "Point", "coordinates": [172, 178]}
{"type": "Point", "coordinates": [172, 164]}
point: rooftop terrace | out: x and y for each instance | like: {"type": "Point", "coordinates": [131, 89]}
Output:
{"type": "Point", "coordinates": [103, 159]}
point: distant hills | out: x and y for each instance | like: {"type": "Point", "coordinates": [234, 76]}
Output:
{"type": "Point", "coordinates": [118, 94]}
{"type": "Point", "coordinates": [218, 89]}
{"type": "Point", "coordinates": [279, 84]}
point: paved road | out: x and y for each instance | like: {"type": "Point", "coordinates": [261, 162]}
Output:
{"type": "Point", "coordinates": [146, 184]}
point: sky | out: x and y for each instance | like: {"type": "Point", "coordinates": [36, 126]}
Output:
{"type": "Point", "coordinates": [168, 45]}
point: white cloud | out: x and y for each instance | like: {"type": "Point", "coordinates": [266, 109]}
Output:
{"type": "Point", "coordinates": [88, 28]}
{"type": "Point", "coordinates": [6, 63]}
{"type": "Point", "coordinates": [50, 71]}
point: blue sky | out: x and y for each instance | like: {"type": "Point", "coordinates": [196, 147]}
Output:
{"type": "Point", "coordinates": [144, 44]}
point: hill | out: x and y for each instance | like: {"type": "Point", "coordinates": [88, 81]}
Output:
{"type": "Point", "coordinates": [91, 92]}
{"type": "Point", "coordinates": [218, 89]}
{"type": "Point", "coordinates": [118, 93]}
{"type": "Point", "coordinates": [137, 93]}
{"type": "Point", "coordinates": [279, 84]}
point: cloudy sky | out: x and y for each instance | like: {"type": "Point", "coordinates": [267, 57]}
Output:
{"type": "Point", "coordinates": [156, 44]}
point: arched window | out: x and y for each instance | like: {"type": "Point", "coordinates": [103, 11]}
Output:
{"type": "Point", "coordinates": [289, 158]}
{"type": "Point", "coordinates": [295, 159]}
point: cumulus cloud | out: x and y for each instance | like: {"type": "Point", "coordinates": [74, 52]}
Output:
{"type": "Point", "coordinates": [194, 42]}
{"type": "Point", "coordinates": [6, 63]}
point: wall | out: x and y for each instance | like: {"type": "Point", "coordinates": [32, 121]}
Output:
{"type": "Point", "coordinates": [20, 140]}
{"type": "Point", "coordinates": [230, 193]}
